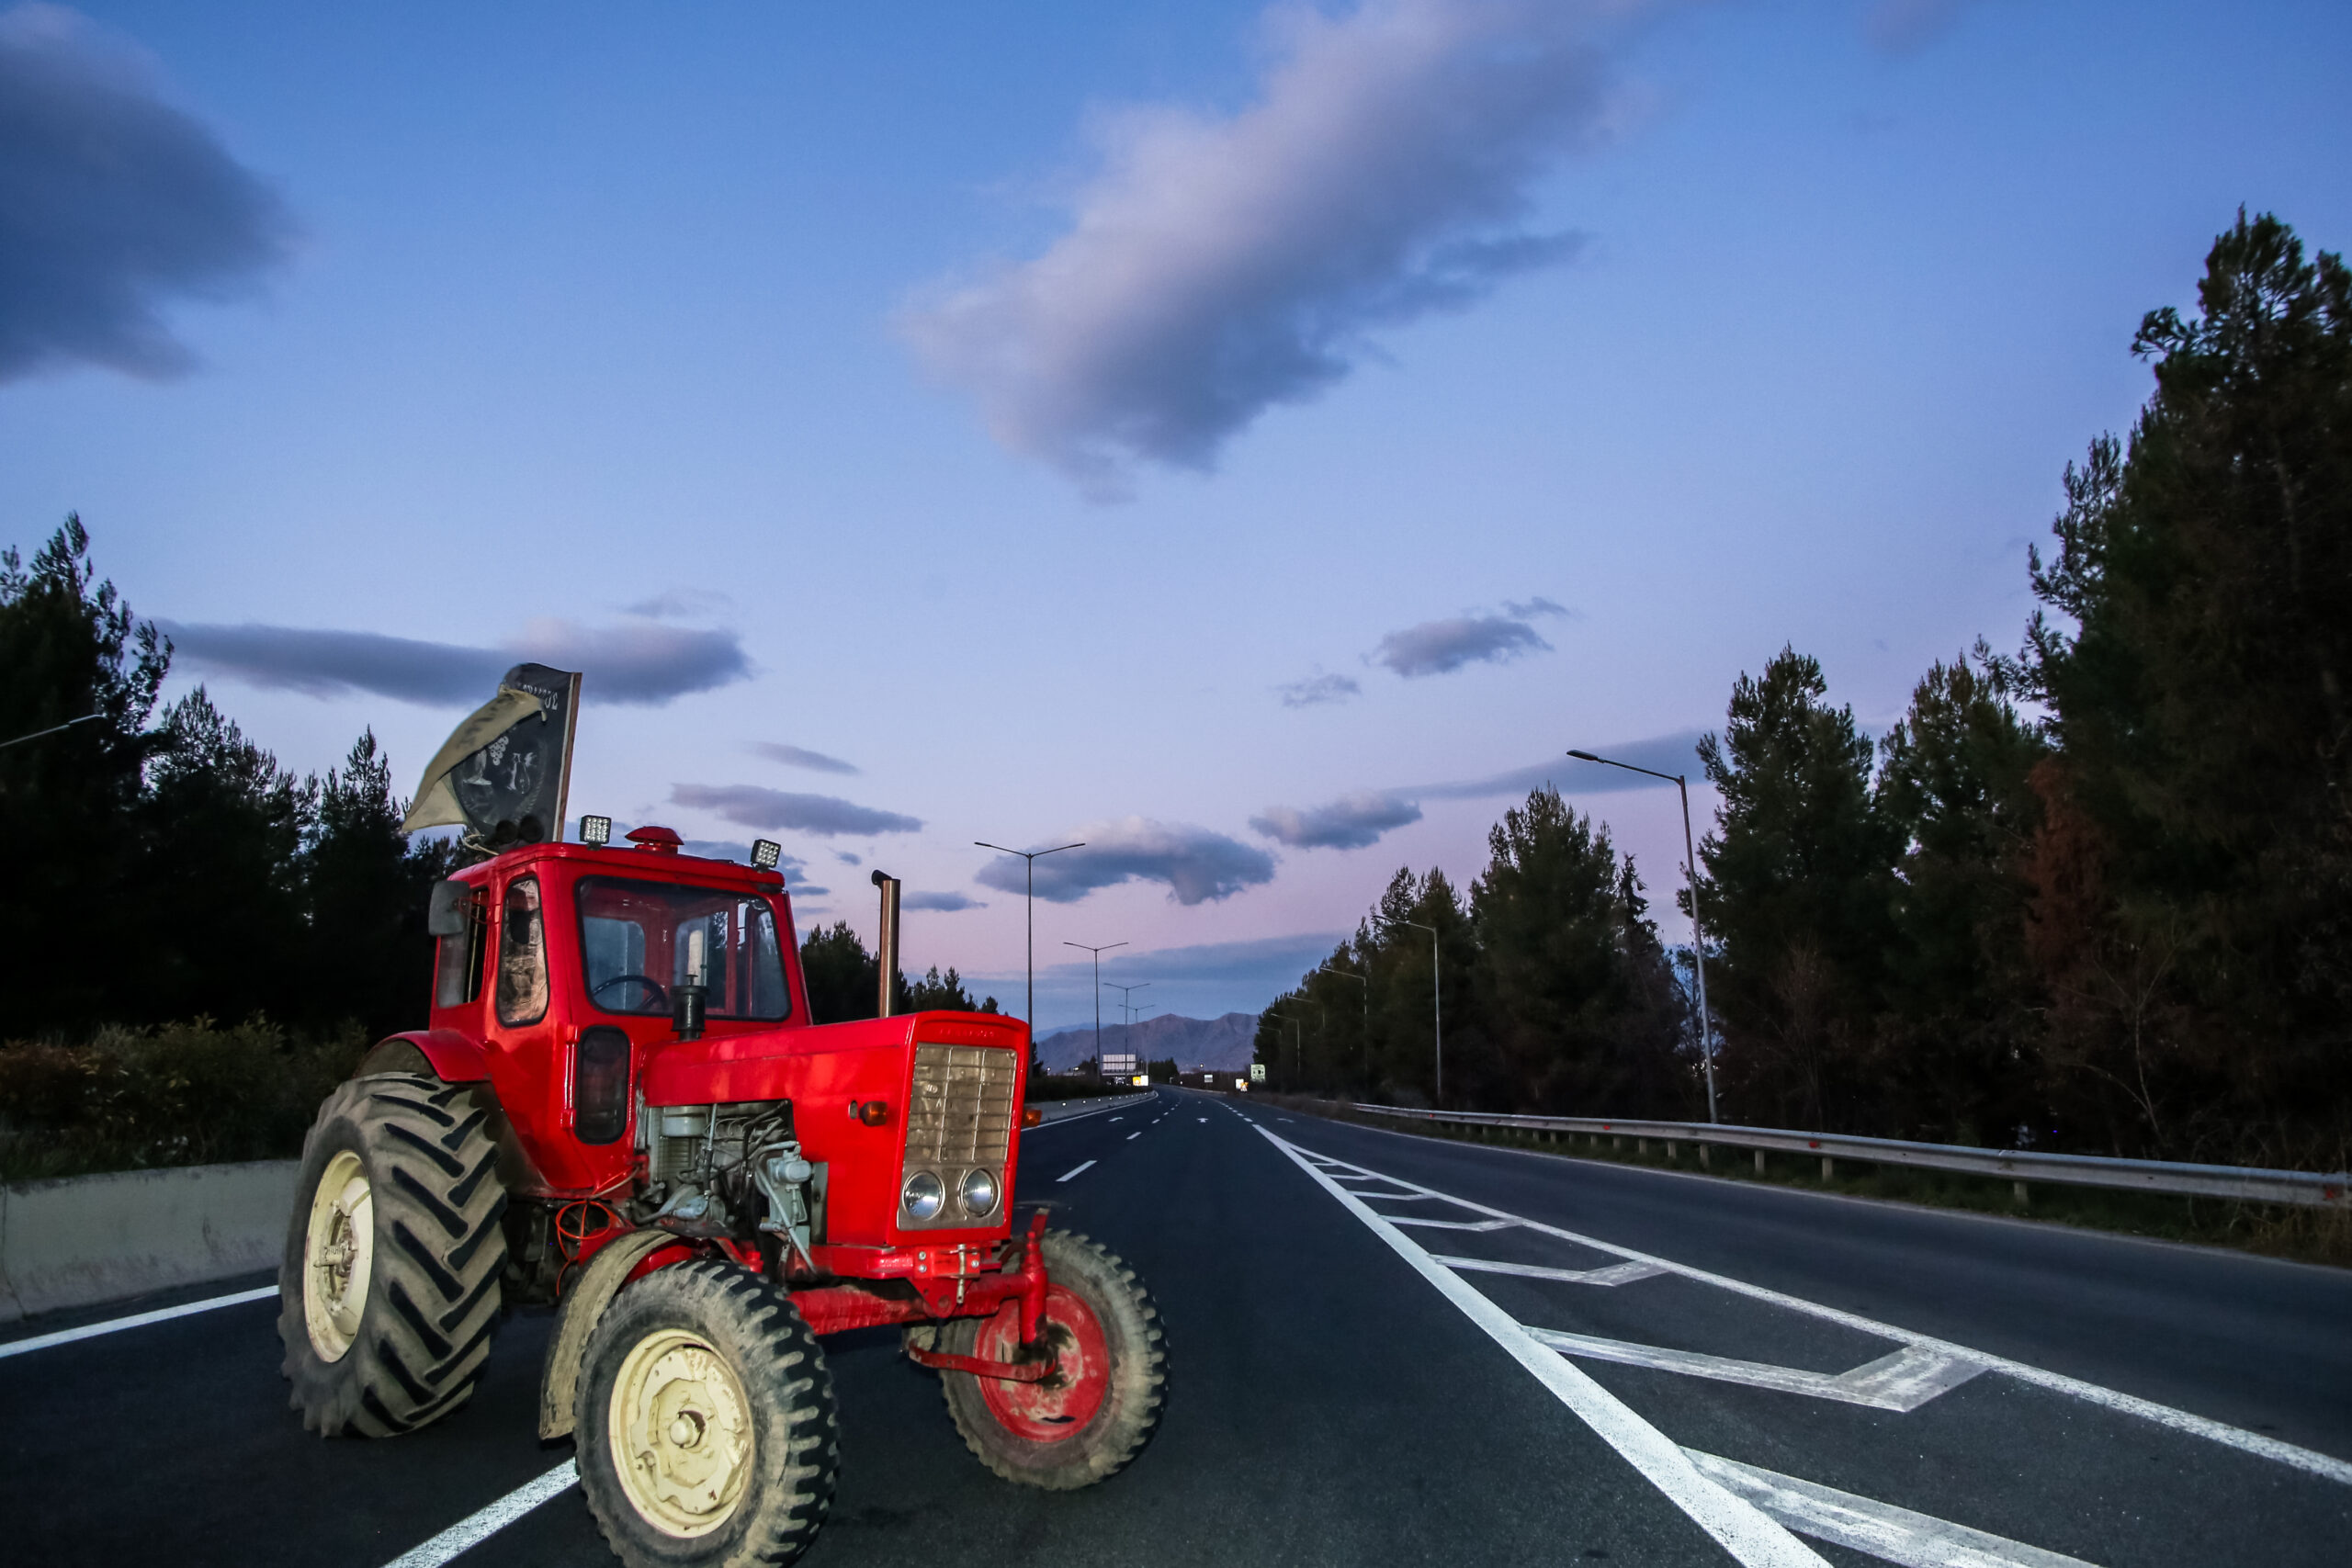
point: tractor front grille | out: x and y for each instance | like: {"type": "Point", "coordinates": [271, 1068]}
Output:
{"type": "Point", "coordinates": [959, 1120]}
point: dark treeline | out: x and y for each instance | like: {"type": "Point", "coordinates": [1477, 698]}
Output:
{"type": "Point", "coordinates": [163, 868]}
{"type": "Point", "coordinates": [162, 865]}
{"type": "Point", "coordinates": [2095, 896]}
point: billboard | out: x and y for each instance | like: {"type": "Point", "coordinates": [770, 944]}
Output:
{"type": "Point", "coordinates": [1116, 1066]}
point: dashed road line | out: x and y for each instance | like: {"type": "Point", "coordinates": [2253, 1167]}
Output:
{"type": "Point", "coordinates": [482, 1526]}
{"type": "Point", "coordinates": [1133, 1136]}
{"type": "Point", "coordinates": [1080, 1171]}
{"type": "Point", "coordinates": [136, 1320]}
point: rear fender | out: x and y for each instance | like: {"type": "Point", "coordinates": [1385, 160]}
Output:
{"type": "Point", "coordinates": [443, 1053]}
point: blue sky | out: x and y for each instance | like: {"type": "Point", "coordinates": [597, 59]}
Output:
{"type": "Point", "coordinates": [1257, 441]}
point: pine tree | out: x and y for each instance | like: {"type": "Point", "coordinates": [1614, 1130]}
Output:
{"type": "Point", "coordinates": [1796, 892]}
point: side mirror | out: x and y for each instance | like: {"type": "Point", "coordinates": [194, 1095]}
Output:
{"type": "Point", "coordinates": [451, 910]}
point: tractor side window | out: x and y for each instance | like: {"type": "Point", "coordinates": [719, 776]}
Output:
{"type": "Point", "coordinates": [522, 955]}
{"type": "Point", "coordinates": [457, 964]}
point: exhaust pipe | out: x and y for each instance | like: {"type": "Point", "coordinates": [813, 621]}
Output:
{"type": "Point", "coordinates": [889, 940]}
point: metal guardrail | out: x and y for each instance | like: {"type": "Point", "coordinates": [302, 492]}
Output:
{"type": "Point", "coordinates": [2014, 1164]}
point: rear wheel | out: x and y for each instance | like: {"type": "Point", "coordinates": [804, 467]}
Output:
{"type": "Point", "coordinates": [1101, 1407]}
{"type": "Point", "coordinates": [706, 1428]}
{"type": "Point", "coordinates": [388, 1291]}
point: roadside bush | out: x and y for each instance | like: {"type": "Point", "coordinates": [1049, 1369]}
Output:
{"type": "Point", "coordinates": [192, 1093]}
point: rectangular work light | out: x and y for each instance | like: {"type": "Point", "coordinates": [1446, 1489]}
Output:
{"type": "Point", "coordinates": [597, 831]}
{"type": "Point", "coordinates": [765, 853]}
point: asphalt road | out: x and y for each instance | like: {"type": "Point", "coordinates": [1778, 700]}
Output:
{"type": "Point", "coordinates": [1733, 1374]}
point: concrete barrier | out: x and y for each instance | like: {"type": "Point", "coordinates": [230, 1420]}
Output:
{"type": "Point", "coordinates": [81, 1239]}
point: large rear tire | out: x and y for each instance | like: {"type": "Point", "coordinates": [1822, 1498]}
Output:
{"type": "Point", "coordinates": [388, 1291]}
{"type": "Point", "coordinates": [1084, 1424]}
{"type": "Point", "coordinates": [706, 1431]}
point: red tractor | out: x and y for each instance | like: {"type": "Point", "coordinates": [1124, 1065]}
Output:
{"type": "Point", "coordinates": [622, 1108]}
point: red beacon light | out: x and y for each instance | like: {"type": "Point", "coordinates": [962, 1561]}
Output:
{"type": "Point", "coordinates": [660, 841]}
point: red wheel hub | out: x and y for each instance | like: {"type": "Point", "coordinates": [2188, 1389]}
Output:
{"type": "Point", "coordinates": [1059, 1407]}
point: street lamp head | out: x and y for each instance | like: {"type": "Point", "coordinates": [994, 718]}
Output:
{"type": "Point", "coordinates": [1584, 756]}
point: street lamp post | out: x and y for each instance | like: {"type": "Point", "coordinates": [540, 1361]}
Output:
{"type": "Point", "coordinates": [1029, 1016]}
{"type": "Point", "coordinates": [1698, 934]}
{"type": "Point", "coordinates": [1127, 1011]}
{"type": "Point", "coordinates": [1298, 1039]}
{"type": "Point", "coordinates": [1098, 952]}
{"type": "Point", "coordinates": [1437, 1004]}
{"type": "Point", "coordinates": [1366, 984]}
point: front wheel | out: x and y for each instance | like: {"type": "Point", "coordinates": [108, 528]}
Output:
{"type": "Point", "coordinates": [1083, 1424]}
{"type": "Point", "coordinates": [705, 1421]}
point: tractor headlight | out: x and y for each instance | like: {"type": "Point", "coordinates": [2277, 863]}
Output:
{"type": "Point", "coordinates": [923, 1195]}
{"type": "Point", "coordinates": [977, 1193]}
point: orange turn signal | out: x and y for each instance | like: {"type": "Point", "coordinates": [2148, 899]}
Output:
{"type": "Point", "coordinates": [1031, 1116]}
{"type": "Point", "coordinates": [873, 1112]}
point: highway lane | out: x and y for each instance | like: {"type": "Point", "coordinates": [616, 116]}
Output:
{"type": "Point", "coordinates": [1329, 1403]}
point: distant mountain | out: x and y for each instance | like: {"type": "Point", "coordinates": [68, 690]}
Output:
{"type": "Point", "coordinates": [1223, 1043]}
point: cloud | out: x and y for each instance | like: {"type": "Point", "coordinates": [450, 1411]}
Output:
{"type": "Point", "coordinates": [794, 757]}
{"type": "Point", "coordinates": [1198, 866]}
{"type": "Point", "coordinates": [1440, 648]}
{"type": "Point", "coordinates": [945, 902]}
{"type": "Point", "coordinates": [1906, 27]}
{"type": "Point", "coordinates": [776, 810]}
{"type": "Point", "coordinates": [1316, 689]}
{"type": "Point", "coordinates": [112, 203]}
{"type": "Point", "coordinates": [1675, 753]}
{"type": "Point", "coordinates": [1351, 822]}
{"type": "Point", "coordinates": [1216, 266]}
{"type": "Point", "coordinates": [1528, 609]}
{"type": "Point", "coordinates": [636, 666]}
{"type": "Point", "coordinates": [848, 859]}
{"type": "Point", "coordinates": [681, 605]}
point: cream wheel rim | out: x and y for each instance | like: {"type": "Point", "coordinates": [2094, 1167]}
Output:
{"type": "Point", "coordinates": [338, 1255]}
{"type": "Point", "coordinates": [681, 1434]}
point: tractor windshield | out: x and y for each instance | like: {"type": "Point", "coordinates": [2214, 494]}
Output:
{"type": "Point", "coordinates": [641, 939]}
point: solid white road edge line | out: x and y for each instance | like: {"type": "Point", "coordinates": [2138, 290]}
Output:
{"type": "Point", "coordinates": [136, 1320]}
{"type": "Point", "coordinates": [1081, 1170]}
{"type": "Point", "coordinates": [2320, 1464]}
{"type": "Point", "coordinates": [1746, 1531]}
{"type": "Point", "coordinates": [480, 1527]}
{"type": "Point", "coordinates": [1882, 1529]}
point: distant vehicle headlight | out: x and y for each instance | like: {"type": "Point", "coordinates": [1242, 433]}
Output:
{"type": "Point", "coordinates": [923, 1196]}
{"type": "Point", "coordinates": [977, 1192]}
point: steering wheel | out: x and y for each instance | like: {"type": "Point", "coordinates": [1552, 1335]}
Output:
{"type": "Point", "coordinates": [661, 991]}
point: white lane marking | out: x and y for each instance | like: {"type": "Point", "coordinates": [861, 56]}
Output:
{"type": "Point", "coordinates": [1081, 1169]}
{"type": "Point", "coordinates": [1448, 1225]}
{"type": "Point", "coordinates": [136, 1320]}
{"type": "Point", "coordinates": [1066, 1121]}
{"type": "Point", "coordinates": [1746, 1531]}
{"type": "Point", "coordinates": [1204, 1120]}
{"type": "Point", "coordinates": [1133, 1136]}
{"type": "Point", "coordinates": [480, 1527]}
{"type": "Point", "coordinates": [2305, 1460]}
{"type": "Point", "coordinates": [1900, 1381]}
{"type": "Point", "coordinates": [1615, 1274]}
{"type": "Point", "coordinates": [1882, 1529]}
